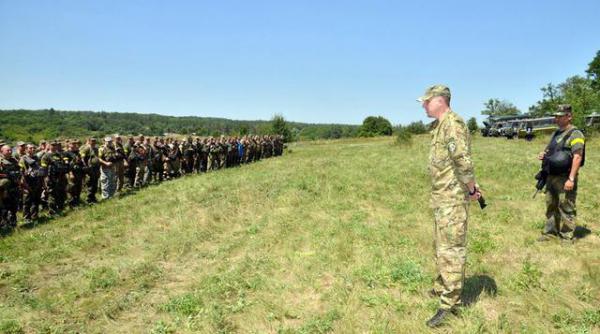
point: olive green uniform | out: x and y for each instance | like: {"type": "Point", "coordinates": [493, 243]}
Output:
{"type": "Point", "coordinates": [560, 204]}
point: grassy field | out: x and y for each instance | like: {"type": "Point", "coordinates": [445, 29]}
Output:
{"type": "Point", "coordinates": [333, 237]}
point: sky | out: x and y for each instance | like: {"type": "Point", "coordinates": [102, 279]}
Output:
{"type": "Point", "coordinates": [309, 61]}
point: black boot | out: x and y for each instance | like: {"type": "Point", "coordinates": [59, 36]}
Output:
{"type": "Point", "coordinates": [438, 318]}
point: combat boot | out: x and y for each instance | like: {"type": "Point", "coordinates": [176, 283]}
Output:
{"type": "Point", "coordinates": [438, 318]}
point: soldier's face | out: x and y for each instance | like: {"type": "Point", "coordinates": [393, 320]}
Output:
{"type": "Point", "coordinates": [434, 106]}
{"type": "Point", "coordinates": [6, 151]}
{"type": "Point", "coordinates": [563, 121]}
{"type": "Point", "coordinates": [30, 150]}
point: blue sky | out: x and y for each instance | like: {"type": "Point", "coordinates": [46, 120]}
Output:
{"type": "Point", "coordinates": [311, 61]}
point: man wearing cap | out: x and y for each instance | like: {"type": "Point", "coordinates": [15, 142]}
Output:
{"type": "Point", "coordinates": [120, 156]}
{"type": "Point", "coordinates": [76, 172]}
{"type": "Point", "coordinates": [10, 178]}
{"type": "Point", "coordinates": [564, 155]}
{"type": "Point", "coordinates": [107, 156]}
{"type": "Point", "coordinates": [55, 170]}
{"type": "Point", "coordinates": [32, 184]}
{"type": "Point", "coordinates": [89, 154]}
{"type": "Point", "coordinates": [453, 185]}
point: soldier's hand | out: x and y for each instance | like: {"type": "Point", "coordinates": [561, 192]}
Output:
{"type": "Point", "coordinates": [541, 155]}
{"type": "Point", "coordinates": [569, 185]}
{"type": "Point", "coordinates": [476, 195]}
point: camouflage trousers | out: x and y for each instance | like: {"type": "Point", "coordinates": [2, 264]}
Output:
{"type": "Point", "coordinates": [560, 207]}
{"type": "Point", "coordinates": [108, 182]}
{"type": "Point", "coordinates": [120, 174]}
{"type": "Point", "coordinates": [450, 241]}
{"type": "Point", "coordinates": [140, 175]}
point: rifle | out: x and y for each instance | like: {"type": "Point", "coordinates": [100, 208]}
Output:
{"type": "Point", "coordinates": [541, 177]}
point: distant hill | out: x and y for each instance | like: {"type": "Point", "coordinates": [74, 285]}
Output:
{"type": "Point", "coordinates": [34, 125]}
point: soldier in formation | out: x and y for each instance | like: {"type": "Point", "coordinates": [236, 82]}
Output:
{"type": "Point", "coordinates": [53, 177]}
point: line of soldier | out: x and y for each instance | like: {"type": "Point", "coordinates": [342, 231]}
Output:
{"type": "Point", "coordinates": [53, 175]}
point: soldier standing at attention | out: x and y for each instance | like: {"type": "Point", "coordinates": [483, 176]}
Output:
{"type": "Point", "coordinates": [89, 154]}
{"type": "Point", "coordinates": [120, 156]}
{"type": "Point", "coordinates": [76, 172]}
{"type": "Point", "coordinates": [564, 155]}
{"type": "Point", "coordinates": [453, 184]}
{"type": "Point", "coordinates": [55, 169]}
{"type": "Point", "coordinates": [108, 180]}
{"type": "Point", "coordinates": [32, 189]}
{"type": "Point", "coordinates": [10, 178]}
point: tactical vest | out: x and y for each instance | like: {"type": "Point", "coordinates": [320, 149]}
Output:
{"type": "Point", "coordinates": [559, 156]}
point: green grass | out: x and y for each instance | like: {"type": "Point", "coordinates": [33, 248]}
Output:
{"type": "Point", "coordinates": [334, 237]}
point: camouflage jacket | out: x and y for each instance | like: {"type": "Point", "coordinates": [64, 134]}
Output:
{"type": "Point", "coordinates": [450, 163]}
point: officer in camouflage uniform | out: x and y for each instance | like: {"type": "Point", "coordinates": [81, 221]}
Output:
{"type": "Point", "coordinates": [32, 184]}
{"type": "Point", "coordinates": [10, 179]}
{"type": "Point", "coordinates": [108, 180]}
{"type": "Point", "coordinates": [55, 169]}
{"type": "Point", "coordinates": [561, 185]}
{"type": "Point", "coordinates": [89, 154]}
{"type": "Point", "coordinates": [76, 173]}
{"type": "Point", "coordinates": [453, 184]}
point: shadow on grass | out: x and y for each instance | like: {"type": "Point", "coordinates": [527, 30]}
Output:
{"type": "Point", "coordinates": [475, 286]}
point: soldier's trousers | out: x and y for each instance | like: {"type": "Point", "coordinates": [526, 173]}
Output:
{"type": "Point", "coordinates": [120, 174]}
{"type": "Point", "coordinates": [140, 175]}
{"type": "Point", "coordinates": [450, 241]}
{"type": "Point", "coordinates": [560, 207]}
{"type": "Point", "coordinates": [108, 182]}
{"type": "Point", "coordinates": [92, 185]}
{"type": "Point", "coordinates": [74, 189]}
{"type": "Point", "coordinates": [9, 207]}
{"type": "Point", "coordinates": [130, 175]}
{"type": "Point", "coordinates": [32, 200]}
{"type": "Point", "coordinates": [56, 187]}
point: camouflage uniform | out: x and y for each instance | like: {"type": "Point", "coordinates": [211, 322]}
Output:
{"type": "Point", "coordinates": [75, 176]}
{"type": "Point", "coordinates": [108, 180]}
{"type": "Point", "coordinates": [92, 168]}
{"type": "Point", "coordinates": [32, 189]}
{"type": "Point", "coordinates": [119, 165]}
{"type": "Point", "coordinates": [10, 175]}
{"type": "Point", "coordinates": [451, 169]}
{"type": "Point", "coordinates": [560, 204]}
{"type": "Point", "coordinates": [56, 180]}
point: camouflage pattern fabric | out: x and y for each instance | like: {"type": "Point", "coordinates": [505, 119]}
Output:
{"type": "Point", "coordinates": [451, 168]}
{"type": "Point", "coordinates": [560, 207]}
{"type": "Point", "coordinates": [450, 253]}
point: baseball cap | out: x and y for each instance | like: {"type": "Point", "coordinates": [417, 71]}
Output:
{"type": "Point", "coordinates": [435, 90]}
{"type": "Point", "coordinates": [563, 109]}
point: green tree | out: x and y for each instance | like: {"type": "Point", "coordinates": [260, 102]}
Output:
{"type": "Point", "coordinates": [551, 99]}
{"type": "Point", "coordinates": [472, 125]}
{"type": "Point", "coordinates": [593, 71]}
{"type": "Point", "coordinates": [580, 94]}
{"type": "Point", "coordinates": [375, 126]}
{"type": "Point", "coordinates": [416, 128]}
{"type": "Point", "coordinates": [495, 107]}
{"type": "Point", "coordinates": [279, 126]}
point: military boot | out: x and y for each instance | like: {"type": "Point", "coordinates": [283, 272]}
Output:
{"type": "Point", "coordinates": [438, 318]}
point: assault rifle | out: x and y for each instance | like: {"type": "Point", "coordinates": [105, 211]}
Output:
{"type": "Point", "coordinates": [542, 176]}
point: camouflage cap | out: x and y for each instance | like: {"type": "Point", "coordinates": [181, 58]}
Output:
{"type": "Point", "coordinates": [20, 143]}
{"type": "Point", "coordinates": [55, 142]}
{"type": "Point", "coordinates": [563, 109]}
{"type": "Point", "coordinates": [435, 90]}
{"type": "Point", "coordinates": [108, 139]}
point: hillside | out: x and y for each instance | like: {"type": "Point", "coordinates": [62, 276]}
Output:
{"type": "Point", "coordinates": [34, 125]}
{"type": "Point", "coordinates": [335, 236]}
